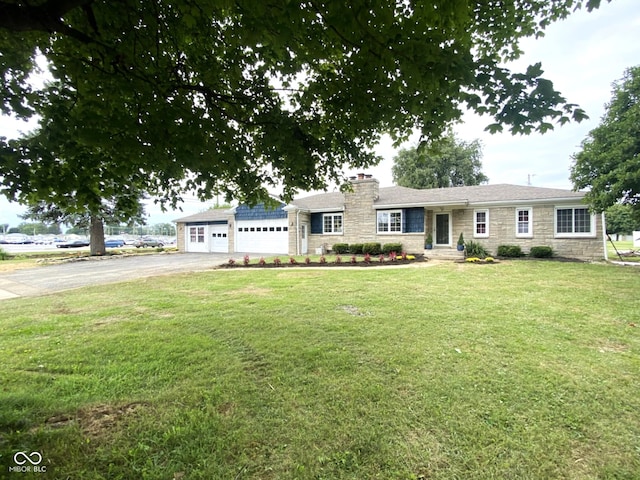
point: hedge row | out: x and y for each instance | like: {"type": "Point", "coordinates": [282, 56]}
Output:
{"type": "Point", "coordinates": [510, 251]}
{"type": "Point", "coordinates": [372, 248]}
{"type": "Point", "coordinates": [513, 251]}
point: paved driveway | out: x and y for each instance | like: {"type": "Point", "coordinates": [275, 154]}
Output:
{"type": "Point", "coordinates": [55, 278]}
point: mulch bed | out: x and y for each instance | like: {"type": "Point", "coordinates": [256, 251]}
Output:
{"type": "Point", "coordinates": [346, 262]}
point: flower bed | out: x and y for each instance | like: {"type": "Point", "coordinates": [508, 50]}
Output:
{"type": "Point", "coordinates": [480, 260]}
{"type": "Point", "coordinates": [324, 261]}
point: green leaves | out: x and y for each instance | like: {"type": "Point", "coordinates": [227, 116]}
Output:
{"type": "Point", "coordinates": [239, 97]}
{"type": "Point", "coordinates": [447, 162]}
{"type": "Point", "coordinates": [609, 162]}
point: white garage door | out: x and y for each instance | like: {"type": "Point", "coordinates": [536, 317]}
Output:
{"type": "Point", "coordinates": [219, 238]}
{"type": "Point", "coordinates": [262, 236]}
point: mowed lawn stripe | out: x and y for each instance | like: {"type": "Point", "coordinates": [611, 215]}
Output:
{"type": "Point", "coordinates": [514, 370]}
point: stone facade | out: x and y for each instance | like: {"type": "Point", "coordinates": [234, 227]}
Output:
{"type": "Point", "coordinates": [502, 231]}
{"type": "Point", "coordinates": [180, 239]}
{"type": "Point", "coordinates": [359, 223]}
{"type": "Point", "coordinates": [360, 217]}
{"type": "Point", "coordinates": [420, 211]}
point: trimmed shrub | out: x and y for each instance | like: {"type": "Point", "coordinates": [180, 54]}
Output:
{"type": "Point", "coordinates": [372, 248]}
{"type": "Point", "coordinates": [387, 248]}
{"type": "Point", "coordinates": [474, 249]}
{"type": "Point", "coordinates": [356, 248]}
{"type": "Point", "coordinates": [340, 248]}
{"type": "Point", "coordinates": [510, 251]}
{"type": "Point", "coordinates": [541, 252]}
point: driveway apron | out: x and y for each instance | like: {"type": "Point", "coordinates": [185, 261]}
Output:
{"type": "Point", "coordinates": [100, 270]}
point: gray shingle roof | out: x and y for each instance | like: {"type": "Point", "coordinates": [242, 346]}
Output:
{"type": "Point", "coordinates": [206, 216]}
{"type": "Point", "coordinates": [479, 194]}
{"type": "Point", "coordinates": [499, 193]}
{"type": "Point", "coordinates": [321, 201]}
{"type": "Point", "coordinates": [403, 196]}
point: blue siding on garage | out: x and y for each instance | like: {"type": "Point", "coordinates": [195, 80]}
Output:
{"type": "Point", "coordinates": [259, 212]}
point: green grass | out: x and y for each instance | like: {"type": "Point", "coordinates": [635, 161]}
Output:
{"type": "Point", "coordinates": [622, 247]}
{"type": "Point", "coordinates": [518, 370]}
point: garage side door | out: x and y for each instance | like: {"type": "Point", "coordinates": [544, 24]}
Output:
{"type": "Point", "coordinates": [197, 240]}
{"type": "Point", "coordinates": [262, 236]}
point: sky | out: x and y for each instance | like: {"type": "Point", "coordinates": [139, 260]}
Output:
{"type": "Point", "coordinates": [582, 55]}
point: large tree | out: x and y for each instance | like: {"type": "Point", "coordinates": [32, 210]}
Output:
{"type": "Point", "coordinates": [620, 220]}
{"type": "Point", "coordinates": [236, 96]}
{"type": "Point", "coordinates": [445, 162]}
{"type": "Point", "coordinates": [609, 162]}
{"type": "Point", "coordinates": [65, 180]}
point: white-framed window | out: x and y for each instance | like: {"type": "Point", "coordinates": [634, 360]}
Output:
{"type": "Point", "coordinates": [481, 223]}
{"type": "Point", "coordinates": [524, 222]}
{"type": "Point", "coordinates": [332, 223]}
{"type": "Point", "coordinates": [196, 234]}
{"type": "Point", "coordinates": [390, 221]}
{"type": "Point", "coordinates": [574, 222]}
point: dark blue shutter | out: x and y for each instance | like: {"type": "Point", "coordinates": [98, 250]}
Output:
{"type": "Point", "coordinates": [413, 220]}
{"type": "Point", "coordinates": [316, 223]}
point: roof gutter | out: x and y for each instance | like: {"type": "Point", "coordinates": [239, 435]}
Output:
{"type": "Point", "coordinates": [523, 201]}
{"type": "Point", "coordinates": [466, 203]}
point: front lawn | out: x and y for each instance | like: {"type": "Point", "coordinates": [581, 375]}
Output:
{"type": "Point", "coordinates": [626, 249]}
{"type": "Point", "coordinates": [517, 370]}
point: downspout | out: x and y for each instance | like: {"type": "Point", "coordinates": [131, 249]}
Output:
{"type": "Point", "coordinates": [298, 231]}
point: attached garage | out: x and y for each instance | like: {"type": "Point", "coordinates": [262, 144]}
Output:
{"type": "Point", "coordinates": [265, 236]}
{"type": "Point", "coordinates": [204, 232]}
{"type": "Point", "coordinates": [261, 229]}
{"type": "Point", "coordinates": [241, 229]}
{"type": "Point", "coordinates": [207, 237]}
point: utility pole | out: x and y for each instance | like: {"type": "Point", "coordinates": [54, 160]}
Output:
{"type": "Point", "coordinates": [529, 178]}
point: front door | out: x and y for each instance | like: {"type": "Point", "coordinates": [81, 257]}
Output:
{"type": "Point", "coordinates": [443, 229]}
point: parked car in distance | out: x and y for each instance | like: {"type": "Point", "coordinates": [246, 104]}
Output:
{"type": "Point", "coordinates": [148, 242]}
{"type": "Point", "coordinates": [74, 244]}
{"type": "Point", "coordinates": [114, 243]}
{"type": "Point", "coordinates": [17, 239]}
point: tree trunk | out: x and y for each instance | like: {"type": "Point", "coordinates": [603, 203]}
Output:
{"type": "Point", "coordinates": [96, 236]}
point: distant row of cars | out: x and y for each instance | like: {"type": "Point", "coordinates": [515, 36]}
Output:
{"type": "Point", "coordinates": [114, 243]}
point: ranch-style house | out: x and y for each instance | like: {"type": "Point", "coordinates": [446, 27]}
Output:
{"type": "Point", "coordinates": [491, 215]}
